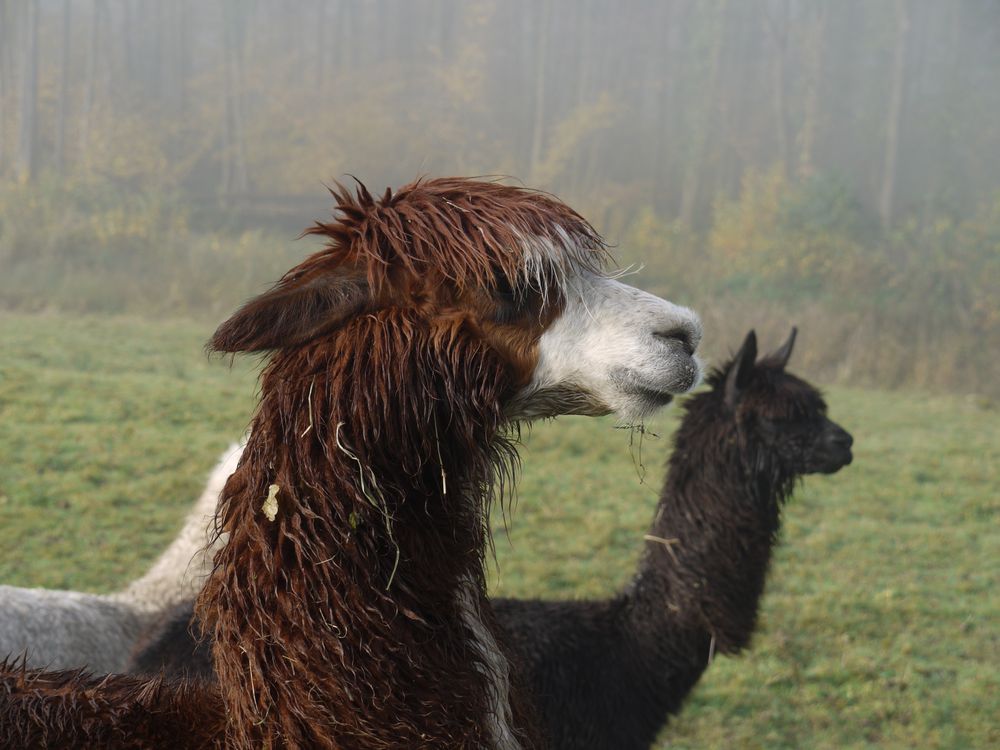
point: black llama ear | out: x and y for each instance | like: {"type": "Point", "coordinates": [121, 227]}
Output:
{"type": "Point", "coordinates": [292, 312]}
{"type": "Point", "coordinates": [739, 371]}
{"type": "Point", "coordinates": [785, 351]}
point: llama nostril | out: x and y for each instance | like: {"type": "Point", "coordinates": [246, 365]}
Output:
{"type": "Point", "coordinates": [680, 335]}
{"type": "Point", "coordinates": [842, 439]}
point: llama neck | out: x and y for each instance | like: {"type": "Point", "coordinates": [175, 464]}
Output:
{"type": "Point", "coordinates": [353, 618]}
{"type": "Point", "coordinates": [709, 547]}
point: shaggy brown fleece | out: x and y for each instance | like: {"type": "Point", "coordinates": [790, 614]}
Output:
{"type": "Point", "coordinates": [75, 710]}
{"type": "Point", "coordinates": [348, 607]}
{"type": "Point", "coordinates": [609, 673]}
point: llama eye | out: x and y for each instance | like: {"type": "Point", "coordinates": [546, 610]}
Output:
{"type": "Point", "coordinates": [768, 429]}
{"type": "Point", "coordinates": [510, 301]}
{"type": "Point", "coordinates": [503, 289]}
{"type": "Point", "coordinates": [506, 311]}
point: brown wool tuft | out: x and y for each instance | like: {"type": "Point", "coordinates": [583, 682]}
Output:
{"type": "Point", "coordinates": [73, 709]}
{"type": "Point", "coordinates": [347, 598]}
{"type": "Point", "coordinates": [451, 233]}
{"type": "Point", "coordinates": [608, 674]}
{"type": "Point", "coordinates": [463, 230]}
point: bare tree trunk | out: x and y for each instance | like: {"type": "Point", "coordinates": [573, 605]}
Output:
{"type": "Point", "coordinates": [27, 145]}
{"type": "Point", "coordinates": [5, 71]}
{"type": "Point", "coordinates": [63, 115]}
{"type": "Point", "coordinates": [241, 181]}
{"type": "Point", "coordinates": [321, 31]}
{"type": "Point", "coordinates": [657, 62]}
{"type": "Point", "coordinates": [893, 117]}
{"type": "Point", "coordinates": [665, 132]}
{"type": "Point", "coordinates": [349, 33]}
{"type": "Point", "coordinates": [156, 54]}
{"type": "Point", "coordinates": [695, 166]}
{"type": "Point", "coordinates": [595, 83]}
{"type": "Point", "coordinates": [235, 179]}
{"type": "Point", "coordinates": [541, 53]}
{"type": "Point", "coordinates": [183, 61]}
{"type": "Point", "coordinates": [445, 27]}
{"type": "Point", "coordinates": [227, 124]}
{"type": "Point", "coordinates": [777, 25]}
{"type": "Point", "coordinates": [128, 34]}
{"type": "Point", "coordinates": [89, 80]}
{"type": "Point", "coordinates": [174, 54]}
{"type": "Point", "coordinates": [583, 76]}
{"type": "Point", "coordinates": [815, 63]}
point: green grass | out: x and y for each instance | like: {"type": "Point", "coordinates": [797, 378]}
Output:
{"type": "Point", "coordinates": [879, 627]}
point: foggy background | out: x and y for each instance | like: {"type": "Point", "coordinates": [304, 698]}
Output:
{"type": "Point", "coordinates": [832, 164]}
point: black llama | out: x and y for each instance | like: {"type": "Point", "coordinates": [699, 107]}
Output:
{"type": "Point", "coordinates": [608, 674]}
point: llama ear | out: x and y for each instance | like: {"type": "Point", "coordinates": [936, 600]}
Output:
{"type": "Point", "coordinates": [739, 371]}
{"type": "Point", "coordinates": [781, 356]}
{"type": "Point", "coordinates": [292, 312]}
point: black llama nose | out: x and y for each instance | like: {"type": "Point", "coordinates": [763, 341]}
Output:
{"type": "Point", "coordinates": [841, 438]}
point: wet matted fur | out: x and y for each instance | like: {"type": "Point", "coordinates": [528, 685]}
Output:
{"type": "Point", "coordinates": [608, 674]}
{"type": "Point", "coordinates": [355, 618]}
{"type": "Point", "coordinates": [348, 607]}
{"type": "Point", "coordinates": [73, 709]}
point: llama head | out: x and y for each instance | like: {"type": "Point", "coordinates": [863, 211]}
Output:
{"type": "Point", "coordinates": [510, 269]}
{"type": "Point", "coordinates": [780, 415]}
{"type": "Point", "coordinates": [434, 316]}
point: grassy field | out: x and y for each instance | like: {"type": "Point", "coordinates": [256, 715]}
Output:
{"type": "Point", "coordinates": [879, 627]}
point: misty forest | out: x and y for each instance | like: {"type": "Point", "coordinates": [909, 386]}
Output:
{"type": "Point", "coordinates": [837, 162]}
{"type": "Point", "coordinates": [828, 164]}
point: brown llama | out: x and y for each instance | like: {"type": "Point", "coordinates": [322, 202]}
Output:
{"type": "Point", "coordinates": [348, 608]}
{"type": "Point", "coordinates": [608, 674]}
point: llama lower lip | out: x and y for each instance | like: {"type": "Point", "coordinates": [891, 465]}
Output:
{"type": "Point", "coordinates": [631, 383]}
{"type": "Point", "coordinates": [833, 465]}
{"type": "Point", "coordinates": [658, 398]}
{"type": "Point", "coordinates": [655, 399]}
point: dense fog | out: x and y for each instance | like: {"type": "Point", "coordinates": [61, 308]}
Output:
{"type": "Point", "coordinates": [786, 153]}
